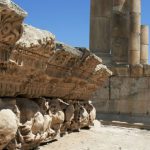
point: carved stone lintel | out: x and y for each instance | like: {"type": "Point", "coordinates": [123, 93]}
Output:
{"type": "Point", "coordinates": [11, 17]}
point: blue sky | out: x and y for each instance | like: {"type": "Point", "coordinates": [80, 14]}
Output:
{"type": "Point", "coordinates": [67, 19]}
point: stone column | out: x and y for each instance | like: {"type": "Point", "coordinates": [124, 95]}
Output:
{"type": "Point", "coordinates": [135, 28]}
{"type": "Point", "coordinates": [100, 26]}
{"type": "Point", "coordinates": [144, 44]}
{"type": "Point", "coordinates": [120, 31]}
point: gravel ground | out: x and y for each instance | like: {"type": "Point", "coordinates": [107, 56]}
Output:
{"type": "Point", "coordinates": [103, 138]}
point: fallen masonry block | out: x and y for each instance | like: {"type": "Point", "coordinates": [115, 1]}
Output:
{"type": "Point", "coordinates": [45, 85]}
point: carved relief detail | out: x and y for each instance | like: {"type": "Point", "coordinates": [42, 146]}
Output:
{"type": "Point", "coordinates": [10, 31]}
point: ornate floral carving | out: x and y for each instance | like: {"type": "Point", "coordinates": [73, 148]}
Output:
{"type": "Point", "coordinates": [10, 29]}
{"type": "Point", "coordinates": [49, 83]}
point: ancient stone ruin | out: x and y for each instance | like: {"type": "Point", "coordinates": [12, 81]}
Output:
{"type": "Point", "coordinates": [45, 86]}
{"type": "Point", "coordinates": [118, 37]}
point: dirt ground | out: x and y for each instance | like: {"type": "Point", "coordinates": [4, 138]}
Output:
{"type": "Point", "coordinates": [103, 138]}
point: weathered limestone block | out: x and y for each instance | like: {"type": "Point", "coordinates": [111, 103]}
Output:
{"type": "Point", "coordinates": [147, 70]}
{"type": "Point", "coordinates": [125, 106]}
{"type": "Point", "coordinates": [120, 25]}
{"type": "Point", "coordinates": [140, 107]}
{"type": "Point", "coordinates": [133, 107]}
{"type": "Point", "coordinates": [113, 106]}
{"type": "Point", "coordinates": [106, 57]}
{"type": "Point", "coordinates": [100, 35]}
{"type": "Point", "coordinates": [49, 83]}
{"type": "Point", "coordinates": [36, 43]}
{"type": "Point", "coordinates": [119, 50]}
{"type": "Point", "coordinates": [127, 95]}
{"type": "Point", "coordinates": [101, 8]}
{"type": "Point", "coordinates": [49, 70]}
{"type": "Point", "coordinates": [99, 74]}
{"type": "Point", "coordinates": [82, 71]}
{"type": "Point", "coordinates": [136, 70]}
{"type": "Point", "coordinates": [102, 93]}
{"type": "Point", "coordinates": [100, 26]}
{"type": "Point", "coordinates": [137, 104]}
{"type": "Point", "coordinates": [122, 87]}
{"type": "Point", "coordinates": [8, 127]}
{"type": "Point", "coordinates": [115, 87]}
{"type": "Point", "coordinates": [143, 83]}
{"type": "Point", "coordinates": [10, 28]}
{"type": "Point", "coordinates": [115, 93]}
{"type": "Point", "coordinates": [101, 105]}
{"type": "Point", "coordinates": [120, 70]}
{"type": "Point", "coordinates": [120, 31]}
{"type": "Point", "coordinates": [127, 91]}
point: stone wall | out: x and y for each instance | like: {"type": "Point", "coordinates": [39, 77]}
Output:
{"type": "Point", "coordinates": [127, 92]}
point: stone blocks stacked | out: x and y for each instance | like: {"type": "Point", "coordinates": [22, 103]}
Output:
{"type": "Point", "coordinates": [127, 91]}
